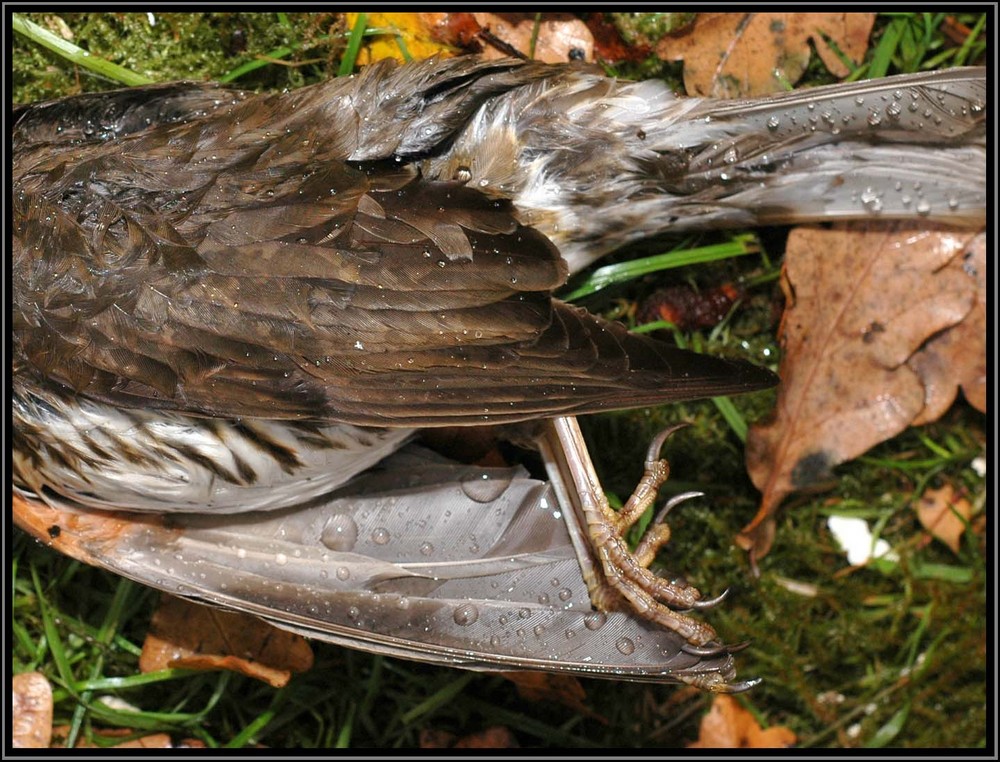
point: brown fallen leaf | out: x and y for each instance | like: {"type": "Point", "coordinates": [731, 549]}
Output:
{"type": "Point", "coordinates": [31, 711]}
{"type": "Point", "coordinates": [561, 689]}
{"type": "Point", "coordinates": [561, 37]}
{"type": "Point", "coordinates": [957, 356]}
{"type": "Point", "coordinates": [861, 301]}
{"type": "Point", "coordinates": [945, 515]}
{"type": "Point", "coordinates": [191, 636]}
{"type": "Point", "coordinates": [732, 55]}
{"type": "Point", "coordinates": [729, 726]}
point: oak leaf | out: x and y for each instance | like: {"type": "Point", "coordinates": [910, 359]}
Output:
{"type": "Point", "coordinates": [956, 357]}
{"type": "Point", "coordinates": [186, 635]}
{"type": "Point", "coordinates": [733, 55]}
{"type": "Point", "coordinates": [861, 301]}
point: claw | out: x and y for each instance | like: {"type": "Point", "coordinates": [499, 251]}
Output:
{"type": "Point", "coordinates": [653, 454]}
{"type": "Point", "coordinates": [709, 603]}
{"type": "Point", "coordinates": [710, 651]}
{"type": "Point", "coordinates": [740, 687]}
{"type": "Point", "coordinates": [672, 503]}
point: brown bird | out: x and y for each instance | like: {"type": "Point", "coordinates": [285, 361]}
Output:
{"type": "Point", "coordinates": [227, 303]}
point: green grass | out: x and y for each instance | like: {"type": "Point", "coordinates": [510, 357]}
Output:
{"type": "Point", "coordinates": [881, 656]}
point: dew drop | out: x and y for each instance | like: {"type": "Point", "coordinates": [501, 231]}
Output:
{"type": "Point", "coordinates": [343, 573]}
{"type": "Point", "coordinates": [595, 620]}
{"type": "Point", "coordinates": [870, 201]}
{"type": "Point", "coordinates": [565, 594]}
{"type": "Point", "coordinates": [354, 613]}
{"type": "Point", "coordinates": [381, 536]}
{"type": "Point", "coordinates": [340, 533]}
{"type": "Point", "coordinates": [543, 599]}
{"type": "Point", "coordinates": [426, 549]}
{"type": "Point", "coordinates": [538, 630]}
{"type": "Point", "coordinates": [485, 489]}
{"type": "Point", "coordinates": [465, 614]}
{"type": "Point", "coordinates": [524, 613]}
{"type": "Point", "coordinates": [495, 641]}
{"type": "Point", "coordinates": [923, 208]}
{"type": "Point", "coordinates": [773, 123]}
{"type": "Point", "coordinates": [570, 634]}
{"type": "Point", "coordinates": [625, 646]}
{"type": "Point", "coordinates": [280, 559]}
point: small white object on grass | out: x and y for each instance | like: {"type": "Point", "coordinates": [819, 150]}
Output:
{"type": "Point", "coordinates": [855, 538]}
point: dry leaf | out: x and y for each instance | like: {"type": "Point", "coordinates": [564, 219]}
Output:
{"type": "Point", "coordinates": [729, 726]}
{"type": "Point", "coordinates": [31, 711]}
{"type": "Point", "coordinates": [547, 687]}
{"type": "Point", "coordinates": [732, 55]}
{"type": "Point", "coordinates": [562, 37]}
{"type": "Point", "coordinates": [191, 636]}
{"type": "Point", "coordinates": [957, 356]}
{"type": "Point", "coordinates": [861, 301]}
{"type": "Point", "coordinates": [945, 515]}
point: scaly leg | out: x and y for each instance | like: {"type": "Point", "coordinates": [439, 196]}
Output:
{"type": "Point", "coordinates": [618, 572]}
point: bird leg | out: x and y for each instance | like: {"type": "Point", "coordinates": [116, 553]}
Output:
{"type": "Point", "coordinates": [615, 574]}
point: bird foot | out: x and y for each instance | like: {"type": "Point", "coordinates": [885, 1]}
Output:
{"type": "Point", "coordinates": [621, 577]}
{"type": "Point", "coordinates": [626, 572]}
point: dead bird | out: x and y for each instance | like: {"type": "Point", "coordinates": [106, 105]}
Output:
{"type": "Point", "coordinates": [227, 303]}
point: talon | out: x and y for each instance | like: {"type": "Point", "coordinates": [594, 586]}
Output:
{"type": "Point", "coordinates": [674, 502]}
{"type": "Point", "coordinates": [705, 651]}
{"type": "Point", "coordinates": [653, 454]}
{"type": "Point", "coordinates": [707, 604]}
{"type": "Point", "coordinates": [740, 687]}
{"type": "Point", "coordinates": [709, 651]}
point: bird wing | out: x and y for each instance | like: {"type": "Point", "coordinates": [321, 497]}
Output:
{"type": "Point", "coordinates": [420, 558]}
{"type": "Point", "coordinates": [233, 262]}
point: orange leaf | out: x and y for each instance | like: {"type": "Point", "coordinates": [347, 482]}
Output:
{"type": "Point", "coordinates": [731, 55]}
{"type": "Point", "coordinates": [944, 515]}
{"type": "Point", "coordinates": [861, 301]}
{"type": "Point", "coordinates": [31, 711]}
{"type": "Point", "coordinates": [729, 726]}
{"type": "Point", "coordinates": [190, 636]}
